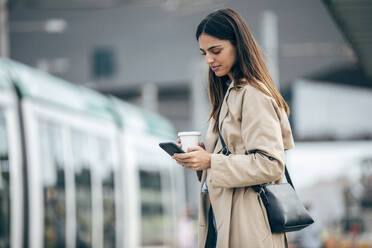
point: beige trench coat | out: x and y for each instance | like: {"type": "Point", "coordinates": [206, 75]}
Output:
{"type": "Point", "coordinates": [249, 120]}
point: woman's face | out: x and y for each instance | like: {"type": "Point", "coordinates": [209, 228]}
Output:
{"type": "Point", "coordinates": [220, 55]}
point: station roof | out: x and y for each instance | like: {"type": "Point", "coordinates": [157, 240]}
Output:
{"type": "Point", "coordinates": [348, 74]}
{"type": "Point", "coordinates": [354, 19]}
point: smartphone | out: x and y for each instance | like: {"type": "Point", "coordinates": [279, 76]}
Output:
{"type": "Point", "coordinates": [171, 148]}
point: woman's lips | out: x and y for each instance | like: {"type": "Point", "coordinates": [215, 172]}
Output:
{"type": "Point", "coordinates": [214, 68]}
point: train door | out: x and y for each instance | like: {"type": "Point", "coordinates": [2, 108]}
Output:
{"type": "Point", "coordinates": [11, 185]}
{"type": "Point", "coordinates": [156, 193]}
{"type": "Point", "coordinates": [156, 201]}
{"type": "Point", "coordinates": [53, 174]}
{"type": "Point", "coordinates": [71, 178]}
{"type": "Point", "coordinates": [95, 185]}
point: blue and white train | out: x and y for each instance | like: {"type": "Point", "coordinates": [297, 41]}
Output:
{"type": "Point", "coordinates": [80, 169]}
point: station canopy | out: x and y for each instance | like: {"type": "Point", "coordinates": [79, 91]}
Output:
{"type": "Point", "coordinates": [354, 19]}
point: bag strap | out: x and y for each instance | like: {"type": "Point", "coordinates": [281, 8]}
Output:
{"type": "Point", "coordinates": [225, 151]}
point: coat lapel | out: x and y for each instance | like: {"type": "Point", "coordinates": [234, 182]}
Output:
{"type": "Point", "coordinates": [224, 107]}
{"type": "Point", "coordinates": [211, 143]}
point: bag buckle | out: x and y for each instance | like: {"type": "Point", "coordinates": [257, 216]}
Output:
{"type": "Point", "coordinates": [225, 151]}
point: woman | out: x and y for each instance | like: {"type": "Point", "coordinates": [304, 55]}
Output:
{"type": "Point", "coordinates": [252, 118]}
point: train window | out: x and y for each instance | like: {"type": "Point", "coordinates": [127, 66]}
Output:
{"type": "Point", "coordinates": [153, 210]}
{"type": "Point", "coordinates": [83, 195]}
{"type": "Point", "coordinates": [53, 182]}
{"type": "Point", "coordinates": [106, 165]}
{"type": "Point", "coordinates": [4, 185]}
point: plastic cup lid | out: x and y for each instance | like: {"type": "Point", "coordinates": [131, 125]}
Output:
{"type": "Point", "coordinates": [189, 134]}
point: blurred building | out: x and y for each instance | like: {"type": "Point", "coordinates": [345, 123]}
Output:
{"type": "Point", "coordinates": [126, 46]}
{"type": "Point", "coordinates": [145, 52]}
{"type": "Point", "coordinates": [325, 111]}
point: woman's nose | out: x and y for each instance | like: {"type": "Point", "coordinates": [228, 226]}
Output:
{"type": "Point", "coordinates": [208, 59]}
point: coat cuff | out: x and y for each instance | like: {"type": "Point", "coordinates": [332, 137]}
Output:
{"type": "Point", "coordinates": [217, 165]}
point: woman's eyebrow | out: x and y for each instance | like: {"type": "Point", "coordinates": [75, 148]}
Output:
{"type": "Point", "coordinates": [210, 47]}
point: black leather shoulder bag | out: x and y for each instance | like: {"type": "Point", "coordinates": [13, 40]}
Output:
{"type": "Point", "coordinates": [284, 209]}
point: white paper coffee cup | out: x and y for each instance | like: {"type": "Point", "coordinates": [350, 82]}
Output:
{"type": "Point", "coordinates": [189, 139]}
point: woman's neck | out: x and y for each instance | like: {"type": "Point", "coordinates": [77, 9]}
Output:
{"type": "Point", "coordinates": [230, 76]}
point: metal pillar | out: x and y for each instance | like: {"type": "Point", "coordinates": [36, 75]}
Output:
{"type": "Point", "coordinates": [199, 113]}
{"type": "Point", "coordinates": [4, 31]}
{"type": "Point", "coordinates": [270, 41]}
{"type": "Point", "coordinates": [199, 97]}
{"type": "Point", "coordinates": [150, 97]}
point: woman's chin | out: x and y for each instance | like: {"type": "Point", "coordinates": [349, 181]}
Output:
{"type": "Point", "coordinates": [219, 74]}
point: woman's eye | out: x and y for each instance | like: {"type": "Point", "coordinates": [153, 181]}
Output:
{"type": "Point", "coordinates": [214, 52]}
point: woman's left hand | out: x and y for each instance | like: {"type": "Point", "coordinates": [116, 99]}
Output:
{"type": "Point", "coordinates": [196, 158]}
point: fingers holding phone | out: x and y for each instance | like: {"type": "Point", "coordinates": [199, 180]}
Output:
{"type": "Point", "coordinates": [187, 142]}
{"type": "Point", "coordinates": [195, 159]}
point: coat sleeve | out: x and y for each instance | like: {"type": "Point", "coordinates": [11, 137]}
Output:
{"type": "Point", "coordinates": [261, 134]}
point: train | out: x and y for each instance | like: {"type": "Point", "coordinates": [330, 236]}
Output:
{"type": "Point", "coordinates": [82, 169]}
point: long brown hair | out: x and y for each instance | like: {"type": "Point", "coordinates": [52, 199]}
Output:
{"type": "Point", "coordinates": [249, 67]}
